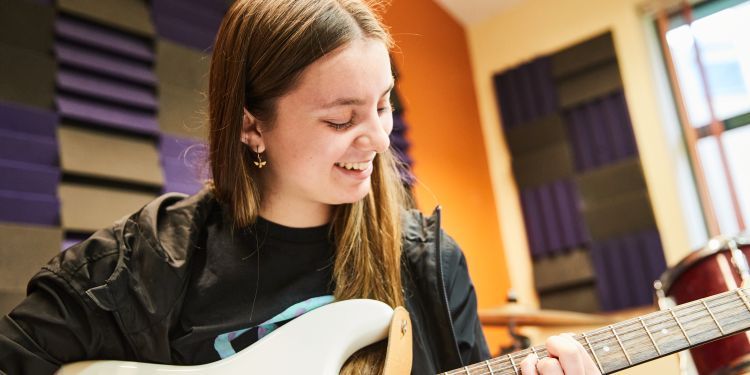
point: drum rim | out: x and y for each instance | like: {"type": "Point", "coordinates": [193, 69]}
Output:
{"type": "Point", "coordinates": [714, 245]}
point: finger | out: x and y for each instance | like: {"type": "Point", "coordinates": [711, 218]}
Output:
{"type": "Point", "coordinates": [569, 354]}
{"type": "Point", "coordinates": [528, 365]}
{"type": "Point", "coordinates": [590, 367]}
{"type": "Point", "coordinates": [551, 366]}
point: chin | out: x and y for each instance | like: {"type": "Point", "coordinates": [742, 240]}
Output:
{"type": "Point", "coordinates": [352, 196]}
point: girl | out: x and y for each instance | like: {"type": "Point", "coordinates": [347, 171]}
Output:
{"type": "Point", "coordinates": [305, 207]}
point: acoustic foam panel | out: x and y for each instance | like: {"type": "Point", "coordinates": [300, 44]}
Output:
{"type": "Point", "coordinates": [110, 156]}
{"type": "Point", "coordinates": [570, 61]}
{"type": "Point", "coordinates": [87, 208]}
{"type": "Point", "coordinates": [26, 25]}
{"type": "Point", "coordinates": [129, 15]}
{"type": "Point", "coordinates": [16, 66]}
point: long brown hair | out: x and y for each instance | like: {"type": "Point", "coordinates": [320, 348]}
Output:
{"type": "Point", "coordinates": [262, 48]}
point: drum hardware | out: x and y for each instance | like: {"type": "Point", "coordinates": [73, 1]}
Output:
{"type": "Point", "coordinates": [739, 261]}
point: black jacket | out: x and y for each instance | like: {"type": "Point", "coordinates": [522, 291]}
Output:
{"type": "Point", "coordinates": [117, 294]}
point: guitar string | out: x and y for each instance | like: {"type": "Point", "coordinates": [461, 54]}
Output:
{"type": "Point", "coordinates": [508, 366]}
{"type": "Point", "coordinates": [628, 323]}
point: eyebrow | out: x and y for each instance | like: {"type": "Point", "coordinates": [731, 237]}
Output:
{"type": "Point", "coordinates": [354, 101]}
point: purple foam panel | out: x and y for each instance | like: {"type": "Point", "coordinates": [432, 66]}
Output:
{"type": "Point", "coordinates": [29, 208]}
{"type": "Point", "coordinates": [566, 214]}
{"type": "Point", "coordinates": [549, 217]}
{"type": "Point", "coordinates": [184, 164]}
{"type": "Point", "coordinates": [526, 93]}
{"type": "Point", "coordinates": [398, 139]}
{"type": "Point", "coordinates": [625, 267]}
{"type": "Point", "coordinates": [625, 127]}
{"type": "Point", "coordinates": [28, 148]}
{"type": "Point", "coordinates": [179, 147]}
{"type": "Point", "coordinates": [201, 15]}
{"type": "Point", "coordinates": [107, 115]}
{"type": "Point", "coordinates": [110, 90]}
{"type": "Point", "coordinates": [638, 276]}
{"type": "Point", "coordinates": [400, 146]}
{"type": "Point", "coordinates": [604, 279]}
{"type": "Point", "coordinates": [105, 64]}
{"type": "Point", "coordinates": [103, 38]}
{"type": "Point", "coordinates": [72, 240]}
{"type": "Point", "coordinates": [28, 178]}
{"type": "Point", "coordinates": [532, 219]}
{"type": "Point", "coordinates": [514, 88]}
{"type": "Point", "coordinates": [180, 171]}
{"type": "Point", "coordinates": [616, 127]}
{"type": "Point", "coordinates": [618, 260]}
{"type": "Point", "coordinates": [190, 23]}
{"type": "Point", "coordinates": [651, 251]}
{"type": "Point", "coordinates": [28, 120]}
{"type": "Point", "coordinates": [600, 132]}
{"type": "Point", "coordinates": [580, 139]}
{"type": "Point", "coordinates": [597, 128]}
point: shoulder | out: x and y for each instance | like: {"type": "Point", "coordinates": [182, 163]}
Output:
{"type": "Point", "coordinates": [157, 239]}
{"type": "Point", "coordinates": [424, 241]}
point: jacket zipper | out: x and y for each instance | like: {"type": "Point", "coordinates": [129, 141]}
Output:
{"type": "Point", "coordinates": [441, 283]}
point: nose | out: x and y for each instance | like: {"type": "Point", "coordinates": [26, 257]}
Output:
{"type": "Point", "coordinates": [376, 131]}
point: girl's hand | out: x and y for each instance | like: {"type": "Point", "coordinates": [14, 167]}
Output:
{"type": "Point", "coordinates": [567, 356]}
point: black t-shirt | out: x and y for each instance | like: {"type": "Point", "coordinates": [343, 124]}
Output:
{"type": "Point", "coordinates": [249, 282]}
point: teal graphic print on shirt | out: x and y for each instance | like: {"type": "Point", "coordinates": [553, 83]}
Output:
{"type": "Point", "coordinates": [223, 342]}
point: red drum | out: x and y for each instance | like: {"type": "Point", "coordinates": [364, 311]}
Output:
{"type": "Point", "coordinates": [718, 267]}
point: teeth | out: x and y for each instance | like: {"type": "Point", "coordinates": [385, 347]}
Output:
{"type": "Point", "coordinates": [353, 166]}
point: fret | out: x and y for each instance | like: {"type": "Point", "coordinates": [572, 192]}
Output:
{"type": "Point", "coordinates": [674, 316]}
{"type": "Point", "coordinates": [593, 352]}
{"type": "Point", "coordinates": [627, 356]}
{"type": "Point", "coordinates": [513, 363]}
{"type": "Point", "coordinates": [744, 298]}
{"type": "Point", "coordinates": [721, 329]}
{"type": "Point", "coordinates": [658, 351]}
{"type": "Point", "coordinates": [489, 367]}
{"type": "Point", "coordinates": [697, 321]}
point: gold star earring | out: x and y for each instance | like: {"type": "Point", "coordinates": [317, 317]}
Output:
{"type": "Point", "coordinates": [260, 163]}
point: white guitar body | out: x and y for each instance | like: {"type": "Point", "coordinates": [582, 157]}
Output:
{"type": "Point", "coordinates": [318, 342]}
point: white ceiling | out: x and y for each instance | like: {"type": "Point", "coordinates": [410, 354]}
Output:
{"type": "Point", "coordinates": [470, 12]}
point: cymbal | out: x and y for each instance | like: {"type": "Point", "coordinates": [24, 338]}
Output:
{"type": "Point", "coordinates": [524, 316]}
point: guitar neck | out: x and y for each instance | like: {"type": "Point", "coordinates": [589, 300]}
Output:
{"type": "Point", "coordinates": [644, 338]}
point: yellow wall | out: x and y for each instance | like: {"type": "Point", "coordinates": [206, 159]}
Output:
{"type": "Point", "coordinates": [447, 141]}
{"type": "Point", "coordinates": [537, 27]}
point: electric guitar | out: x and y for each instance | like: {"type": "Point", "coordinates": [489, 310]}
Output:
{"type": "Point", "coordinates": [322, 348]}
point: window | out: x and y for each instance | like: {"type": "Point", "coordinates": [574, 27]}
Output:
{"type": "Point", "coordinates": [709, 51]}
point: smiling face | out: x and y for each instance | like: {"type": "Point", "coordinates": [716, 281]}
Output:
{"type": "Point", "coordinates": [326, 132]}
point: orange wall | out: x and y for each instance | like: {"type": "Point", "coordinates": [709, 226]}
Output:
{"type": "Point", "coordinates": [436, 85]}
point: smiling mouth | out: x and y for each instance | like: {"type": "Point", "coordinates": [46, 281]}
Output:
{"type": "Point", "coordinates": [361, 166]}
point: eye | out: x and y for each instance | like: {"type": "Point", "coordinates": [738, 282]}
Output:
{"type": "Point", "coordinates": [387, 107]}
{"type": "Point", "coordinates": [340, 126]}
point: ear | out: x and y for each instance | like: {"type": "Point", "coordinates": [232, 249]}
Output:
{"type": "Point", "coordinates": [251, 133]}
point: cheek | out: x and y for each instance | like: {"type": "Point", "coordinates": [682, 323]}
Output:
{"type": "Point", "coordinates": [387, 123]}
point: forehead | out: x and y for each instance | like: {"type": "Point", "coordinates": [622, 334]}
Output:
{"type": "Point", "coordinates": [360, 69]}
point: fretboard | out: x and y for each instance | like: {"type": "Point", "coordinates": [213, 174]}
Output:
{"type": "Point", "coordinates": [645, 338]}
